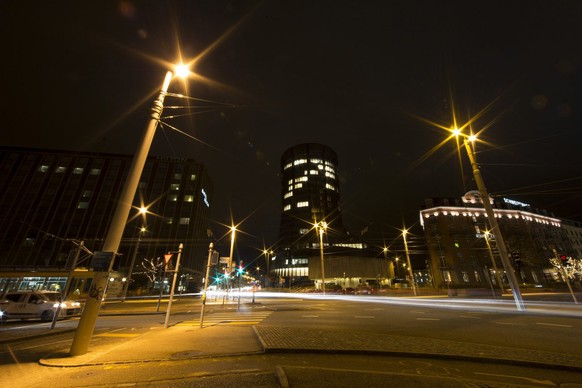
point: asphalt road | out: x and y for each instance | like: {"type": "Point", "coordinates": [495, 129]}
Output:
{"type": "Point", "coordinates": [478, 322]}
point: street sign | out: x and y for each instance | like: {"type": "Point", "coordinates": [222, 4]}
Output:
{"type": "Point", "coordinates": [167, 257]}
{"type": "Point", "coordinates": [214, 258]}
{"type": "Point", "coordinates": [101, 261]}
{"type": "Point", "coordinates": [224, 260]}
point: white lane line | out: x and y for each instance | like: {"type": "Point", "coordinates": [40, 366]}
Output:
{"type": "Point", "coordinates": [510, 323]}
{"type": "Point", "coordinates": [364, 316]}
{"type": "Point", "coordinates": [552, 324]}
{"type": "Point", "coordinates": [470, 317]}
{"type": "Point", "coordinates": [428, 319]}
{"type": "Point", "coordinates": [310, 316]}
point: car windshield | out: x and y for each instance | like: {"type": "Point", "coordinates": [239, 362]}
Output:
{"type": "Point", "coordinates": [53, 296]}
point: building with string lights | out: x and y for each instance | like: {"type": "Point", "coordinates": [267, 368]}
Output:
{"type": "Point", "coordinates": [463, 251]}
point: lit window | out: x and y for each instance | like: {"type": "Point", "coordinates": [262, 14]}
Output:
{"type": "Point", "coordinates": [177, 176]}
{"type": "Point", "coordinates": [173, 197]}
{"type": "Point", "coordinates": [313, 172]}
{"type": "Point", "coordinates": [175, 186]}
{"type": "Point", "coordinates": [303, 230]}
{"type": "Point", "coordinates": [290, 182]}
{"type": "Point", "coordinates": [320, 166]}
{"type": "Point", "coordinates": [316, 161]}
{"type": "Point", "coordinates": [83, 205]}
{"type": "Point", "coordinates": [287, 207]}
{"type": "Point", "coordinates": [330, 175]}
{"type": "Point", "coordinates": [303, 204]}
{"type": "Point", "coordinates": [288, 165]}
{"type": "Point", "coordinates": [301, 179]}
{"type": "Point", "coordinates": [299, 161]}
{"type": "Point", "coordinates": [299, 185]}
{"type": "Point", "coordinates": [289, 194]}
{"type": "Point", "coordinates": [169, 220]}
{"type": "Point", "coordinates": [193, 177]}
{"type": "Point", "coordinates": [43, 168]}
{"type": "Point", "coordinates": [184, 221]}
{"type": "Point", "coordinates": [95, 171]}
{"type": "Point", "coordinates": [188, 198]}
{"type": "Point", "coordinates": [61, 169]}
{"type": "Point", "coordinates": [329, 187]}
{"type": "Point", "coordinates": [77, 170]}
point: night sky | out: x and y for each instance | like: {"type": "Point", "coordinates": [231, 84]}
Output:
{"type": "Point", "coordinates": [366, 78]}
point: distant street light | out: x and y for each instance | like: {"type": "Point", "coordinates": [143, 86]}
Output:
{"type": "Point", "coordinates": [404, 233]}
{"type": "Point", "coordinates": [320, 228]}
{"type": "Point", "coordinates": [497, 273]}
{"type": "Point", "coordinates": [88, 318]}
{"type": "Point", "coordinates": [132, 264]}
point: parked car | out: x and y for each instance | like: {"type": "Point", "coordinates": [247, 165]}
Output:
{"type": "Point", "coordinates": [36, 304]}
{"type": "Point", "coordinates": [364, 290]}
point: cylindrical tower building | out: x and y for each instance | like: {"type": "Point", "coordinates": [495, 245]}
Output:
{"type": "Point", "coordinates": [310, 193]}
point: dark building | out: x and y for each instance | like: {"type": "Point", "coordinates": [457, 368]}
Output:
{"type": "Point", "coordinates": [310, 194]}
{"type": "Point", "coordinates": [50, 198]}
{"type": "Point", "coordinates": [463, 251]}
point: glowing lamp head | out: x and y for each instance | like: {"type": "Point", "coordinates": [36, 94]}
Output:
{"type": "Point", "coordinates": [182, 71]}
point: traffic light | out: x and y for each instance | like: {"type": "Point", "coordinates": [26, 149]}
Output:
{"type": "Point", "coordinates": [563, 258]}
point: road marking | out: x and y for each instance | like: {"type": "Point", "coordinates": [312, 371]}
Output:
{"type": "Point", "coordinates": [310, 316]}
{"type": "Point", "coordinates": [470, 317]}
{"type": "Point", "coordinates": [116, 335]}
{"type": "Point", "coordinates": [428, 319]}
{"type": "Point", "coordinates": [552, 324]}
{"type": "Point", "coordinates": [510, 323]}
{"type": "Point", "coordinates": [230, 318]}
{"type": "Point", "coordinates": [364, 316]}
{"type": "Point", "coordinates": [542, 382]}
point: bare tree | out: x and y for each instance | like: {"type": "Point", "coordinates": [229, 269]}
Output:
{"type": "Point", "coordinates": [571, 267]}
{"type": "Point", "coordinates": [152, 268]}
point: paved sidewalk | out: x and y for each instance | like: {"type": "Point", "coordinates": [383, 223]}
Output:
{"type": "Point", "coordinates": [191, 342]}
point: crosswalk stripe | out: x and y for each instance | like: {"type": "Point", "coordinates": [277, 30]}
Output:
{"type": "Point", "coordinates": [230, 318]}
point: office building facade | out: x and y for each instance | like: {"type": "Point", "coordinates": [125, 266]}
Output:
{"type": "Point", "coordinates": [51, 200]}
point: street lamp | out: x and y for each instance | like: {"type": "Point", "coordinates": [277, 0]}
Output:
{"type": "Point", "coordinates": [390, 264]}
{"type": "Point", "coordinates": [229, 269]}
{"type": "Point", "coordinates": [133, 257]}
{"type": "Point", "coordinates": [404, 233]}
{"type": "Point", "coordinates": [320, 228]}
{"type": "Point", "coordinates": [497, 275]}
{"type": "Point", "coordinates": [267, 254]}
{"type": "Point", "coordinates": [88, 318]}
{"type": "Point", "coordinates": [494, 226]}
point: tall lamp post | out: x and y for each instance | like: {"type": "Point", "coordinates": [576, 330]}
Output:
{"type": "Point", "coordinates": [229, 269]}
{"type": "Point", "coordinates": [495, 227]}
{"type": "Point", "coordinates": [267, 253]}
{"type": "Point", "coordinates": [497, 274]}
{"type": "Point", "coordinates": [132, 264]}
{"type": "Point", "coordinates": [320, 228]}
{"type": "Point", "coordinates": [390, 263]}
{"type": "Point", "coordinates": [88, 318]}
{"type": "Point", "coordinates": [404, 233]}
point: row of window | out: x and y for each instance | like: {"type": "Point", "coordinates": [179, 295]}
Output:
{"type": "Point", "coordinates": [318, 162]}
{"type": "Point", "coordinates": [97, 171]}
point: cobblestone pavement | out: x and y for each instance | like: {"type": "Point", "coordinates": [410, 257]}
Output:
{"type": "Point", "coordinates": [278, 339]}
